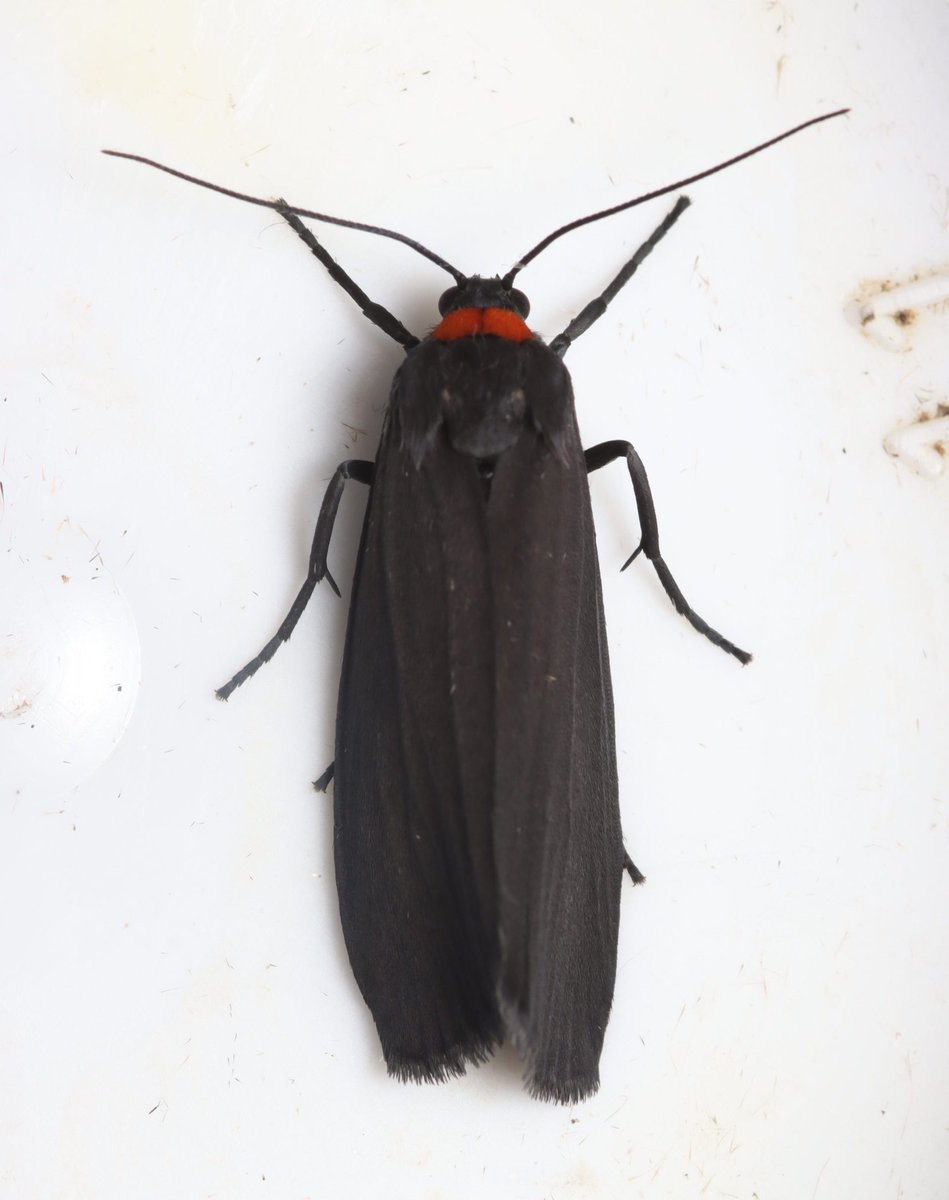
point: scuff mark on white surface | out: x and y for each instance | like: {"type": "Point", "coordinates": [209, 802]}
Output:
{"type": "Point", "coordinates": [924, 444]}
{"type": "Point", "coordinates": [886, 311]}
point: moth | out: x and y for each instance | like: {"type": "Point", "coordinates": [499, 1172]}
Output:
{"type": "Point", "coordinates": [478, 844]}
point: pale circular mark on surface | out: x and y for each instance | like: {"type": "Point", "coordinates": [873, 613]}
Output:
{"type": "Point", "coordinates": [70, 663]}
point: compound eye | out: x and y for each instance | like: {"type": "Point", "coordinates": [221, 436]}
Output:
{"type": "Point", "coordinates": [447, 300]}
{"type": "Point", "coordinates": [521, 304]}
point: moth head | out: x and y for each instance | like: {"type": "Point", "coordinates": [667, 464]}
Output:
{"type": "Point", "coordinates": [479, 292]}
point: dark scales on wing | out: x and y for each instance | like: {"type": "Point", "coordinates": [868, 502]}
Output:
{"type": "Point", "coordinates": [478, 848]}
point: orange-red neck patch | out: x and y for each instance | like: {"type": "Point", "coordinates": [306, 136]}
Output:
{"type": "Point", "coordinates": [493, 322]}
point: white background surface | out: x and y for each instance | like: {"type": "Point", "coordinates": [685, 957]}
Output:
{"type": "Point", "coordinates": [177, 1015]}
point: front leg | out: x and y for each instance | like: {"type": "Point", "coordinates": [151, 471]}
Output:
{"type": "Point", "coordinates": [356, 469]}
{"type": "Point", "coordinates": [378, 314]}
{"type": "Point", "coordinates": [598, 306]}
{"type": "Point", "coordinates": [607, 452]}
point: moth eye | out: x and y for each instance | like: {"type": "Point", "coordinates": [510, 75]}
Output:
{"type": "Point", "coordinates": [521, 304]}
{"type": "Point", "coordinates": [447, 300]}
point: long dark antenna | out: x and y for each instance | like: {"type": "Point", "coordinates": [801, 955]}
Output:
{"type": "Point", "coordinates": [671, 187]}
{"type": "Point", "coordinates": [281, 207]}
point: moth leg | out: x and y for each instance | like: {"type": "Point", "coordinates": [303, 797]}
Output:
{"type": "Point", "coordinates": [356, 469]}
{"type": "Point", "coordinates": [607, 452]}
{"type": "Point", "coordinates": [377, 313]}
{"type": "Point", "coordinates": [632, 870]}
{"type": "Point", "coordinates": [596, 308]}
{"type": "Point", "coordinates": [326, 778]}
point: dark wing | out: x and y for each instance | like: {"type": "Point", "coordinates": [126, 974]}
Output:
{"type": "Point", "coordinates": [414, 766]}
{"type": "Point", "coordinates": [557, 837]}
{"type": "Point", "coordinates": [478, 848]}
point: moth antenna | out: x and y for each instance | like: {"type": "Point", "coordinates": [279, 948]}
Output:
{"type": "Point", "coordinates": [671, 187]}
{"type": "Point", "coordinates": [280, 207]}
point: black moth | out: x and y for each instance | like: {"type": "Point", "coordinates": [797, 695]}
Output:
{"type": "Point", "coordinates": [479, 852]}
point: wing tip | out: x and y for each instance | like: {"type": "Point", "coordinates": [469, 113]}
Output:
{"type": "Point", "coordinates": [563, 1091]}
{"type": "Point", "coordinates": [443, 1065]}
{"type": "Point", "coordinates": [566, 1086]}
